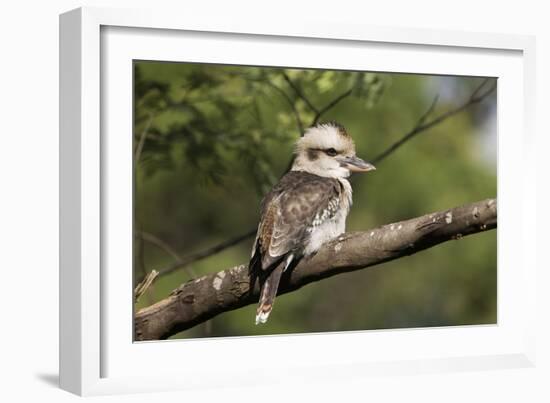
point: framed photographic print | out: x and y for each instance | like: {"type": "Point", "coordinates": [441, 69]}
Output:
{"type": "Point", "coordinates": [253, 195]}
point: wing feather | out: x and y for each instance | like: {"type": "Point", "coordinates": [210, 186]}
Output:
{"type": "Point", "coordinates": [295, 205]}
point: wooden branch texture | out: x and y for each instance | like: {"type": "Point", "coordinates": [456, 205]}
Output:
{"type": "Point", "coordinates": [203, 298]}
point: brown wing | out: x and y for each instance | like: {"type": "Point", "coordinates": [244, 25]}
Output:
{"type": "Point", "coordinates": [297, 203]}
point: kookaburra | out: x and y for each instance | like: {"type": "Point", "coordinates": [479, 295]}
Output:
{"type": "Point", "coordinates": [307, 208]}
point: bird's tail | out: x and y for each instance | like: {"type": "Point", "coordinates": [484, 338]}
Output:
{"type": "Point", "coordinates": [268, 293]}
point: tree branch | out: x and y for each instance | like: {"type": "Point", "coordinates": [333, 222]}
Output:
{"type": "Point", "coordinates": [164, 246]}
{"type": "Point", "coordinates": [144, 285]}
{"type": "Point", "coordinates": [290, 102]}
{"type": "Point", "coordinates": [207, 252]}
{"type": "Point", "coordinates": [330, 105]}
{"type": "Point", "coordinates": [318, 112]}
{"type": "Point", "coordinates": [201, 299]}
{"type": "Point", "coordinates": [421, 125]}
{"type": "Point", "coordinates": [300, 94]}
{"type": "Point", "coordinates": [159, 243]}
{"type": "Point", "coordinates": [141, 143]}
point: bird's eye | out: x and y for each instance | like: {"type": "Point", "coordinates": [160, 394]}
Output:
{"type": "Point", "coordinates": [331, 152]}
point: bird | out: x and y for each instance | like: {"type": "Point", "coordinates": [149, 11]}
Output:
{"type": "Point", "coordinates": [305, 209]}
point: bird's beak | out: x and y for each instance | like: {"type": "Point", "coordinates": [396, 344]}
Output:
{"type": "Point", "coordinates": [356, 164]}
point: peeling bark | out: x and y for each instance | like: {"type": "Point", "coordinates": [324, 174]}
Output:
{"type": "Point", "coordinates": [201, 299]}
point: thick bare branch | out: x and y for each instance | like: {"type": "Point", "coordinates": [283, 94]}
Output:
{"type": "Point", "coordinates": [201, 299]}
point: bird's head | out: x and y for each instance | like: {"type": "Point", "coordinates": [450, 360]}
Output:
{"type": "Point", "coordinates": [328, 150]}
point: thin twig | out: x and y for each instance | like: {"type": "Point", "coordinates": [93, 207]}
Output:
{"type": "Point", "coordinates": [318, 112]}
{"type": "Point", "coordinates": [331, 105]}
{"type": "Point", "coordinates": [206, 253]}
{"type": "Point", "coordinates": [422, 125]}
{"type": "Point", "coordinates": [475, 93]}
{"type": "Point", "coordinates": [144, 285]}
{"type": "Point", "coordinates": [163, 245]}
{"type": "Point", "coordinates": [286, 97]}
{"type": "Point", "coordinates": [299, 93]}
{"type": "Point", "coordinates": [141, 258]}
{"type": "Point", "coordinates": [142, 138]}
{"type": "Point", "coordinates": [429, 111]}
{"type": "Point", "coordinates": [153, 239]}
{"type": "Point", "coordinates": [257, 113]}
{"type": "Point", "coordinates": [290, 103]}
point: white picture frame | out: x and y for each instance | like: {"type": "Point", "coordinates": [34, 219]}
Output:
{"type": "Point", "coordinates": [97, 355]}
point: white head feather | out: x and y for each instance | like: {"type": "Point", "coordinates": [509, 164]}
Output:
{"type": "Point", "coordinates": [321, 149]}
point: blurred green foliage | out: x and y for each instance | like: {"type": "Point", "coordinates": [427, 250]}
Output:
{"type": "Point", "coordinates": [210, 140]}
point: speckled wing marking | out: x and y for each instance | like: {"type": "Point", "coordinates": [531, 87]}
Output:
{"type": "Point", "coordinates": [297, 204]}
